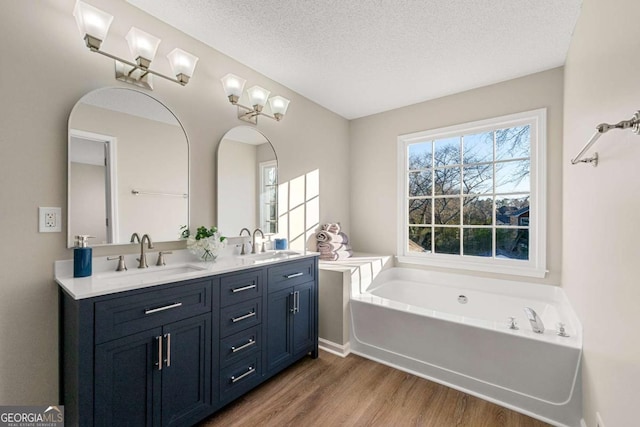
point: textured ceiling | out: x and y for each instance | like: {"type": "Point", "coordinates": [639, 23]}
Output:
{"type": "Point", "coordinates": [360, 57]}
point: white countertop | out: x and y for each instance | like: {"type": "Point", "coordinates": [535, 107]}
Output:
{"type": "Point", "coordinates": [180, 265]}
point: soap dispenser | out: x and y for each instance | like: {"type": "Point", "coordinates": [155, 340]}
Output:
{"type": "Point", "coordinates": [82, 254]}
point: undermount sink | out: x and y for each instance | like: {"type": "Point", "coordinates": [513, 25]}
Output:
{"type": "Point", "coordinates": [271, 256]}
{"type": "Point", "coordinates": [145, 274]}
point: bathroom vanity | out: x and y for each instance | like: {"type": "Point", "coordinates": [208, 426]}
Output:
{"type": "Point", "coordinates": [173, 345]}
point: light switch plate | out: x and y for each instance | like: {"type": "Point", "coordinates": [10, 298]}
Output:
{"type": "Point", "coordinates": [50, 220]}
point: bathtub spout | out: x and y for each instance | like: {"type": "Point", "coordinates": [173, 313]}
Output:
{"type": "Point", "coordinates": [535, 320]}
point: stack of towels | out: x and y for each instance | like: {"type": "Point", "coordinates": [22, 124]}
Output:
{"type": "Point", "coordinates": [333, 244]}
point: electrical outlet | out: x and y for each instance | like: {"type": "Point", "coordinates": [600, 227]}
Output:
{"type": "Point", "coordinates": [50, 220]}
{"type": "Point", "coordinates": [599, 422]}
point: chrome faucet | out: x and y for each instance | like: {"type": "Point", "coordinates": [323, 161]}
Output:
{"type": "Point", "coordinates": [242, 252]}
{"type": "Point", "coordinates": [253, 241]}
{"type": "Point", "coordinates": [135, 237]}
{"type": "Point", "coordinates": [143, 256]}
{"type": "Point", "coordinates": [535, 320]}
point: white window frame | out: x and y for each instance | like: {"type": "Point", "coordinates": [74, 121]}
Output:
{"type": "Point", "coordinates": [535, 266]}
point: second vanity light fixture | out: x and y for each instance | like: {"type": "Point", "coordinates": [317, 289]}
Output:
{"type": "Point", "coordinates": [258, 96]}
{"type": "Point", "coordinates": [94, 25]}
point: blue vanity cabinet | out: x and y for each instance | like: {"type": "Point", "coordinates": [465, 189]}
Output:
{"type": "Point", "coordinates": [140, 358]}
{"type": "Point", "coordinates": [173, 354]}
{"type": "Point", "coordinates": [292, 313]}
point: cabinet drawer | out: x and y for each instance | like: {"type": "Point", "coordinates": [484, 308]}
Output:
{"type": "Point", "coordinates": [240, 345]}
{"type": "Point", "coordinates": [291, 273]}
{"type": "Point", "coordinates": [240, 377]}
{"type": "Point", "coordinates": [127, 315]}
{"type": "Point", "coordinates": [240, 287]}
{"type": "Point", "coordinates": [241, 316]}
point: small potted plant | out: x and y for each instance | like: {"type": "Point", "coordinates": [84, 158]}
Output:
{"type": "Point", "coordinates": [206, 243]}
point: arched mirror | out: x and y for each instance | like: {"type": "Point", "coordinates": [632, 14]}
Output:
{"type": "Point", "coordinates": [247, 182]}
{"type": "Point", "coordinates": [128, 168]}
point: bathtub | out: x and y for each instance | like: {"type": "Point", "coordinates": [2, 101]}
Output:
{"type": "Point", "coordinates": [454, 330]}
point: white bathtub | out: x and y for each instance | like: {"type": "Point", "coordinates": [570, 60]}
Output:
{"type": "Point", "coordinates": [413, 320]}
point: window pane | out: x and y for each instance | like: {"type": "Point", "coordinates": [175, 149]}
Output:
{"type": "Point", "coordinates": [512, 210]}
{"type": "Point", "coordinates": [419, 184]}
{"type": "Point", "coordinates": [477, 210]}
{"type": "Point", "coordinates": [419, 239]}
{"type": "Point", "coordinates": [512, 243]}
{"type": "Point", "coordinates": [513, 143]}
{"type": "Point", "coordinates": [447, 151]}
{"type": "Point", "coordinates": [447, 210]}
{"type": "Point", "coordinates": [270, 175]}
{"type": "Point", "coordinates": [447, 181]}
{"type": "Point", "coordinates": [420, 211]}
{"type": "Point", "coordinates": [513, 176]}
{"type": "Point", "coordinates": [478, 242]}
{"type": "Point", "coordinates": [420, 155]}
{"type": "Point", "coordinates": [478, 147]}
{"type": "Point", "coordinates": [447, 240]}
{"type": "Point", "coordinates": [477, 179]}
{"type": "Point", "coordinates": [271, 193]}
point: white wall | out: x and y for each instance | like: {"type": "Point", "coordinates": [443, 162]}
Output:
{"type": "Point", "coordinates": [601, 207]}
{"type": "Point", "coordinates": [88, 204]}
{"type": "Point", "coordinates": [51, 70]}
{"type": "Point", "coordinates": [373, 142]}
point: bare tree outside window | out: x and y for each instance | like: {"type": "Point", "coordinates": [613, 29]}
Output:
{"type": "Point", "coordinates": [469, 194]}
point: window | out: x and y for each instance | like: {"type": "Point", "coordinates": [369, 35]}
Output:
{"type": "Point", "coordinates": [269, 196]}
{"type": "Point", "coordinates": [472, 196]}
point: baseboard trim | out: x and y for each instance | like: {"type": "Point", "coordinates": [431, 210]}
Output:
{"type": "Point", "coordinates": [333, 348]}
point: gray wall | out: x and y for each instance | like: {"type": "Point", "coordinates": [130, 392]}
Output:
{"type": "Point", "coordinates": [601, 205]}
{"type": "Point", "coordinates": [46, 69]}
{"type": "Point", "coordinates": [373, 142]}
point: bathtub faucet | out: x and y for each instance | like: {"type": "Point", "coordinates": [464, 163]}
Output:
{"type": "Point", "coordinates": [535, 320]}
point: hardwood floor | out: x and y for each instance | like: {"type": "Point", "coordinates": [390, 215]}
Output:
{"type": "Point", "coordinates": [332, 391]}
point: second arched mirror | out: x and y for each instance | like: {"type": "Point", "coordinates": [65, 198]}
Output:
{"type": "Point", "coordinates": [247, 182]}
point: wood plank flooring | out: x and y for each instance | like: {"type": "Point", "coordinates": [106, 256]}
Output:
{"type": "Point", "coordinates": [353, 391]}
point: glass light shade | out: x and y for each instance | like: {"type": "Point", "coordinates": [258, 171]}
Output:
{"type": "Point", "coordinates": [182, 62]}
{"type": "Point", "coordinates": [279, 105]}
{"type": "Point", "coordinates": [92, 21]}
{"type": "Point", "coordinates": [233, 85]}
{"type": "Point", "coordinates": [258, 95]}
{"type": "Point", "coordinates": [142, 44]}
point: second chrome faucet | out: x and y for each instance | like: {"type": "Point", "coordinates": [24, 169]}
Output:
{"type": "Point", "coordinates": [142, 261]}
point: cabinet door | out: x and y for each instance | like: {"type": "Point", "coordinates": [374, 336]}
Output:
{"type": "Point", "coordinates": [186, 374]}
{"type": "Point", "coordinates": [127, 381]}
{"type": "Point", "coordinates": [280, 305]}
{"type": "Point", "coordinates": [303, 318]}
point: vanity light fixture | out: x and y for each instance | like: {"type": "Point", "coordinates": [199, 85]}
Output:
{"type": "Point", "coordinates": [257, 96]}
{"type": "Point", "coordinates": [94, 25]}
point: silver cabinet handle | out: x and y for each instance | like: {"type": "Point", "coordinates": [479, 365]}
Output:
{"type": "Point", "coordinates": [246, 316]}
{"type": "Point", "coordinates": [244, 288]}
{"type": "Point", "coordinates": [292, 302]}
{"type": "Point", "coordinates": [250, 371]}
{"type": "Point", "coordinates": [291, 276]}
{"type": "Point", "coordinates": [163, 308]}
{"type": "Point", "coordinates": [243, 346]}
{"type": "Point", "coordinates": [159, 364]}
{"type": "Point", "coordinates": [296, 302]}
{"type": "Point", "coordinates": [168, 359]}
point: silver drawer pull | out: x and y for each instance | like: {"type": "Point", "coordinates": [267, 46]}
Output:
{"type": "Point", "coordinates": [291, 276]}
{"type": "Point", "coordinates": [250, 371]}
{"type": "Point", "coordinates": [159, 364]}
{"type": "Point", "coordinates": [235, 349]}
{"type": "Point", "coordinates": [244, 288]}
{"type": "Point", "coordinates": [166, 307]}
{"type": "Point", "coordinates": [246, 316]}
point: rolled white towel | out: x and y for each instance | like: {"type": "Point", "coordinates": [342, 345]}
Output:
{"type": "Point", "coordinates": [331, 227]}
{"type": "Point", "coordinates": [326, 247]}
{"type": "Point", "coordinates": [326, 237]}
{"type": "Point", "coordinates": [336, 256]}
